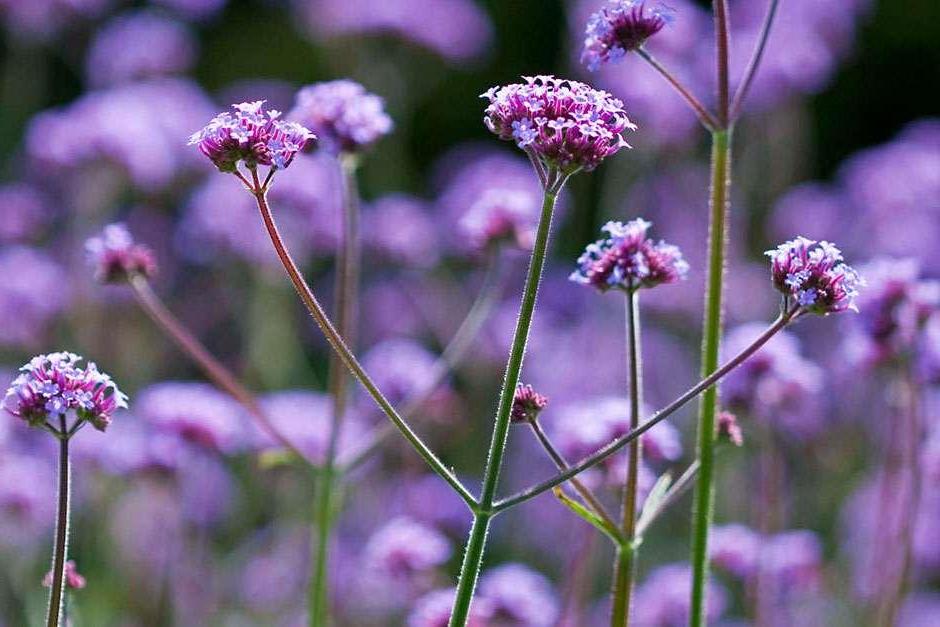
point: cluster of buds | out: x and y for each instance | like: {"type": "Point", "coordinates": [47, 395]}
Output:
{"type": "Point", "coordinates": [628, 260]}
{"type": "Point", "coordinates": [116, 257]}
{"type": "Point", "coordinates": [253, 136]}
{"type": "Point", "coordinates": [729, 430]}
{"type": "Point", "coordinates": [343, 115]}
{"type": "Point", "coordinates": [73, 579]}
{"type": "Point", "coordinates": [55, 386]}
{"type": "Point", "coordinates": [566, 125]}
{"type": "Point", "coordinates": [813, 275]}
{"type": "Point", "coordinates": [620, 27]}
{"type": "Point", "coordinates": [527, 404]}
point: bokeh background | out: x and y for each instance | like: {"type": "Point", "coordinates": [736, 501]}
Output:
{"type": "Point", "coordinates": [186, 515]}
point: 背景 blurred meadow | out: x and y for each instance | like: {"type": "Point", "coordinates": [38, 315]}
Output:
{"type": "Point", "coordinates": [187, 512]}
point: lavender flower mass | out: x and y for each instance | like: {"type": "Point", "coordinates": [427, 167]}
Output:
{"type": "Point", "coordinates": [345, 368]}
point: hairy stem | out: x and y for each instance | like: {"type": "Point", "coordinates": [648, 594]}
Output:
{"type": "Point", "coordinates": [614, 446]}
{"type": "Point", "coordinates": [220, 376]}
{"type": "Point", "coordinates": [347, 282]}
{"type": "Point", "coordinates": [59, 554]}
{"type": "Point", "coordinates": [714, 312]}
{"type": "Point", "coordinates": [625, 565]}
{"type": "Point", "coordinates": [349, 360]}
{"type": "Point", "coordinates": [453, 353]}
{"type": "Point", "coordinates": [473, 557]}
{"type": "Point", "coordinates": [589, 498]}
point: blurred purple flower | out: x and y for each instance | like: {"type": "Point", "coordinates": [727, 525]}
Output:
{"type": "Point", "coordinates": [433, 610]}
{"type": "Point", "coordinates": [563, 123]}
{"type": "Point", "coordinates": [197, 413]}
{"type": "Point", "coordinates": [735, 548]}
{"type": "Point", "coordinates": [813, 275]}
{"type": "Point", "coordinates": [115, 256]}
{"type": "Point", "coordinates": [488, 196]}
{"type": "Point", "coordinates": [221, 218]}
{"type": "Point", "coordinates": [251, 135]}
{"type": "Point", "coordinates": [920, 609]}
{"type": "Point", "coordinates": [776, 385]}
{"type": "Point", "coordinates": [662, 600]}
{"type": "Point", "coordinates": [135, 127]}
{"type": "Point", "coordinates": [628, 260]}
{"type": "Point", "coordinates": [57, 386]}
{"type": "Point", "coordinates": [42, 19]}
{"type": "Point", "coordinates": [27, 499]}
{"type": "Point", "coordinates": [33, 292]}
{"type": "Point", "coordinates": [404, 549]}
{"type": "Point", "coordinates": [620, 27]}
{"type": "Point", "coordinates": [793, 559]}
{"type": "Point", "coordinates": [403, 369]}
{"type": "Point", "coordinates": [73, 579]}
{"type": "Point", "coordinates": [518, 596]}
{"type": "Point", "coordinates": [25, 213]}
{"type": "Point", "coordinates": [457, 30]}
{"type": "Point", "coordinates": [342, 114]}
{"type": "Point", "coordinates": [400, 229]}
{"type": "Point", "coordinates": [304, 417]}
{"type": "Point", "coordinates": [138, 45]}
{"type": "Point", "coordinates": [268, 580]}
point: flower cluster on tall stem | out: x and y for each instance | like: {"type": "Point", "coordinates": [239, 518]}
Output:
{"type": "Point", "coordinates": [59, 394]}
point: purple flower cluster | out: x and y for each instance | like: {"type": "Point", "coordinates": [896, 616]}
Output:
{"type": "Point", "coordinates": [342, 114]}
{"type": "Point", "coordinates": [136, 45]}
{"type": "Point", "coordinates": [567, 125]}
{"type": "Point", "coordinates": [24, 212]}
{"type": "Point", "coordinates": [196, 413]}
{"type": "Point", "coordinates": [628, 261]}
{"type": "Point", "coordinates": [56, 385]}
{"type": "Point", "coordinates": [252, 135]}
{"type": "Point", "coordinates": [527, 404]}
{"type": "Point", "coordinates": [115, 256]}
{"type": "Point", "coordinates": [404, 548]}
{"type": "Point", "coordinates": [33, 292]}
{"type": "Point", "coordinates": [813, 275]}
{"type": "Point", "coordinates": [618, 28]}
{"type": "Point", "coordinates": [663, 599]}
{"type": "Point", "coordinates": [792, 559]}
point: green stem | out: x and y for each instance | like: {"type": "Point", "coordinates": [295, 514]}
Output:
{"type": "Point", "coordinates": [473, 557]}
{"type": "Point", "coordinates": [338, 344]}
{"type": "Point", "coordinates": [346, 288]}
{"type": "Point", "coordinates": [606, 451]}
{"type": "Point", "coordinates": [59, 554]}
{"type": "Point", "coordinates": [704, 507]}
{"type": "Point", "coordinates": [625, 565]}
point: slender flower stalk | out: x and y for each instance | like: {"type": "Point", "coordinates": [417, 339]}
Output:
{"type": "Point", "coordinates": [751, 70]}
{"type": "Point", "coordinates": [625, 564]}
{"type": "Point", "coordinates": [347, 282]}
{"type": "Point", "coordinates": [216, 372]}
{"type": "Point", "coordinates": [476, 543]}
{"type": "Point", "coordinates": [592, 460]}
{"type": "Point", "coordinates": [704, 116]}
{"type": "Point", "coordinates": [450, 357]}
{"type": "Point", "coordinates": [562, 464]}
{"type": "Point", "coordinates": [50, 391]}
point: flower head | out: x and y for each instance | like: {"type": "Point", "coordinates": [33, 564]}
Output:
{"type": "Point", "coordinates": [627, 260]}
{"type": "Point", "coordinates": [115, 256]}
{"type": "Point", "coordinates": [527, 404]}
{"type": "Point", "coordinates": [729, 430]}
{"type": "Point", "coordinates": [565, 124]}
{"type": "Point", "coordinates": [55, 385]}
{"type": "Point", "coordinates": [251, 135]}
{"type": "Point", "coordinates": [73, 578]}
{"type": "Point", "coordinates": [344, 116]}
{"type": "Point", "coordinates": [812, 273]}
{"type": "Point", "coordinates": [618, 28]}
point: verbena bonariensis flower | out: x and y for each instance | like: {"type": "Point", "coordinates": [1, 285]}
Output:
{"type": "Point", "coordinates": [813, 275]}
{"type": "Point", "coordinates": [565, 124]}
{"type": "Point", "coordinates": [519, 595]}
{"type": "Point", "coordinates": [527, 404]}
{"type": "Point", "coordinates": [73, 579]}
{"type": "Point", "coordinates": [344, 116]}
{"type": "Point", "coordinates": [251, 135]}
{"type": "Point", "coordinates": [618, 28]}
{"type": "Point", "coordinates": [627, 260]}
{"type": "Point", "coordinates": [56, 385]}
{"type": "Point", "coordinates": [115, 256]}
{"type": "Point", "coordinates": [404, 548]}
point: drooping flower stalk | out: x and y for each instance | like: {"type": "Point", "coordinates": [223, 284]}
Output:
{"type": "Point", "coordinates": [117, 258]}
{"type": "Point", "coordinates": [347, 281]}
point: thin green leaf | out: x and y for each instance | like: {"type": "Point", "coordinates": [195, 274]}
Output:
{"type": "Point", "coordinates": [611, 532]}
